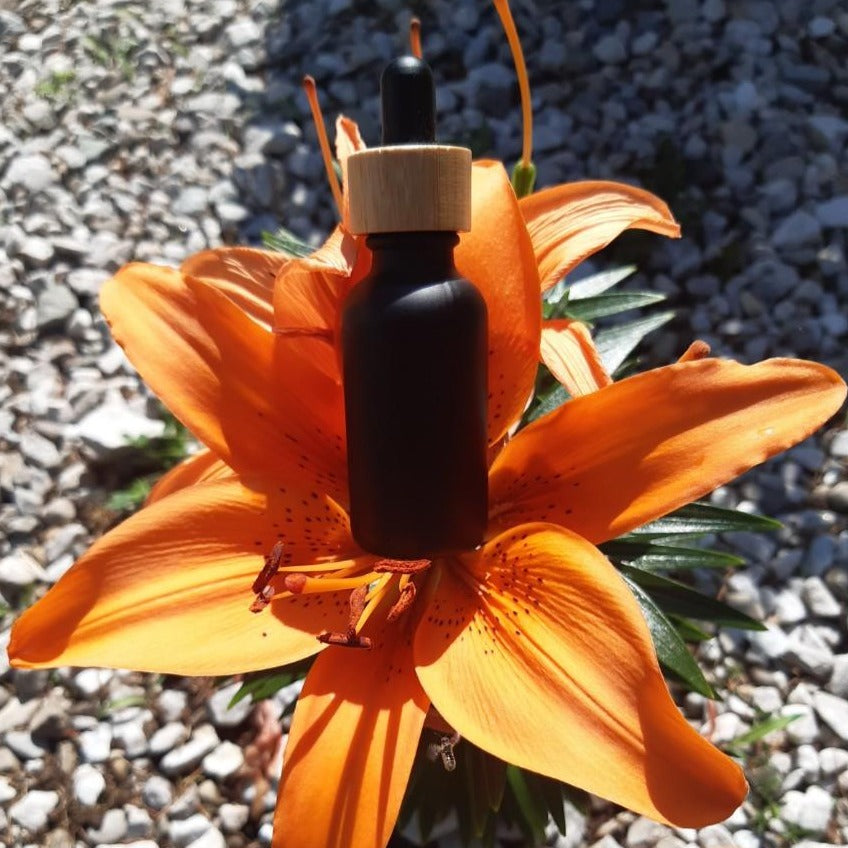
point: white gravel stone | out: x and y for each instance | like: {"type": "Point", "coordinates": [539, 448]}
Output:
{"type": "Point", "coordinates": [186, 757]}
{"type": "Point", "coordinates": [217, 707]}
{"type": "Point", "coordinates": [185, 831]}
{"type": "Point", "coordinates": [167, 737]}
{"type": "Point", "coordinates": [810, 810]}
{"type": "Point", "coordinates": [7, 791]}
{"type": "Point", "coordinates": [820, 599]}
{"type": "Point", "coordinates": [833, 711]}
{"type": "Point", "coordinates": [20, 569]}
{"type": "Point", "coordinates": [833, 761]}
{"type": "Point", "coordinates": [88, 784]}
{"type": "Point", "coordinates": [95, 744]}
{"type": "Point", "coordinates": [838, 683]}
{"type": "Point", "coordinates": [803, 729]}
{"type": "Point", "coordinates": [213, 838]}
{"type": "Point", "coordinates": [33, 810]}
{"type": "Point", "coordinates": [233, 817]}
{"type": "Point", "coordinates": [171, 704]}
{"type": "Point", "coordinates": [223, 762]}
{"type": "Point", "coordinates": [156, 792]}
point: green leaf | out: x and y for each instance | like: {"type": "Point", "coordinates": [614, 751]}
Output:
{"type": "Point", "coordinates": [738, 744]}
{"type": "Point", "coordinates": [688, 631]}
{"type": "Point", "coordinates": [698, 519]}
{"type": "Point", "coordinates": [602, 305]}
{"type": "Point", "coordinates": [679, 599]}
{"type": "Point", "coordinates": [286, 242]}
{"type": "Point", "coordinates": [548, 402]}
{"type": "Point", "coordinates": [596, 284]}
{"type": "Point", "coordinates": [259, 685]}
{"type": "Point", "coordinates": [615, 344]}
{"type": "Point", "coordinates": [131, 497]}
{"type": "Point", "coordinates": [652, 557]}
{"type": "Point", "coordinates": [671, 649]}
{"type": "Point", "coordinates": [533, 812]}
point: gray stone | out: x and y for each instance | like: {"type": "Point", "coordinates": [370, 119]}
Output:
{"type": "Point", "coordinates": [32, 172]}
{"type": "Point", "coordinates": [820, 27]}
{"type": "Point", "coordinates": [55, 305]}
{"type": "Point", "coordinates": [20, 569]}
{"type": "Point", "coordinates": [113, 424]}
{"type": "Point", "coordinates": [797, 230]}
{"type": "Point", "coordinates": [33, 810]}
{"type": "Point", "coordinates": [192, 200]}
{"type": "Point", "coordinates": [819, 599]}
{"type": "Point", "coordinates": [833, 711]}
{"type": "Point", "coordinates": [36, 251]}
{"type": "Point", "coordinates": [21, 743]}
{"type": "Point", "coordinates": [156, 792]}
{"type": "Point", "coordinates": [833, 212]}
{"type": "Point", "coordinates": [139, 823]}
{"type": "Point", "coordinates": [610, 50]}
{"type": "Point", "coordinates": [838, 683]}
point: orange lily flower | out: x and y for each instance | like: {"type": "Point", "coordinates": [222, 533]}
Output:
{"type": "Point", "coordinates": [531, 647]}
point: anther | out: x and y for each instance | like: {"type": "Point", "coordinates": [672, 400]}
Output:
{"type": "Point", "coordinates": [401, 566]}
{"type": "Point", "coordinates": [271, 567]}
{"type": "Point", "coordinates": [345, 640]}
{"type": "Point", "coordinates": [357, 607]}
{"type": "Point", "coordinates": [403, 603]}
{"type": "Point", "coordinates": [262, 599]}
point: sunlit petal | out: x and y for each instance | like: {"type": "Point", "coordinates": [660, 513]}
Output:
{"type": "Point", "coordinates": [498, 258]}
{"type": "Point", "coordinates": [612, 460]}
{"type": "Point", "coordinates": [169, 590]}
{"type": "Point", "coordinates": [570, 354]}
{"type": "Point", "coordinates": [351, 746]}
{"type": "Point", "coordinates": [569, 222]}
{"type": "Point", "coordinates": [200, 468]}
{"type": "Point", "coordinates": [535, 650]}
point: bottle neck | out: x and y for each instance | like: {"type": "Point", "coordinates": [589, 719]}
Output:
{"type": "Point", "coordinates": [413, 257]}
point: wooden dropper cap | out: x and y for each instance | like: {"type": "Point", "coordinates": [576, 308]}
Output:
{"type": "Point", "coordinates": [410, 183]}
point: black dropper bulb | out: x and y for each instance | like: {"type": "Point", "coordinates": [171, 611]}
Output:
{"type": "Point", "coordinates": [408, 96]}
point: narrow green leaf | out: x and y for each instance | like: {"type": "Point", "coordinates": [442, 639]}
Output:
{"type": "Point", "coordinates": [602, 305]}
{"type": "Point", "coordinates": [548, 402]}
{"type": "Point", "coordinates": [689, 632]}
{"type": "Point", "coordinates": [671, 649]}
{"type": "Point", "coordinates": [286, 242]}
{"type": "Point", "coordinates": [615, 344]}
{"type": "Point", "coordinates": [596, 284]}
{"type": "Point", "coordinates": [697, 519]}
{"type": "Point", "coordinates": [265, 684]}
{"type": "Point", "coordinates": [533, 811]}
{"type": "Point", "coordinates": [679, 599]}
{"type": "Point", "coordinates": [759, 731]}
{"type": "Point", "coordinates": [648, 556]}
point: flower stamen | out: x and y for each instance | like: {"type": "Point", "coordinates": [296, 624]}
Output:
{"type": "Point", "coordinates": [697, 350]}
{"type": "Point", "coordinates": [415, 38]}
{"type": "Point", "coordinates": [269, 570]}
{"type": "Point", "coordinates": [312, 96]}
{"type": "Point", "coordinates": [401, 566]}
{"type": "Point", "coordinates": [345, 640]}
{"type": "Point", "coordinates": [403, 603]}
{"type": "Point", "coordinates": [508, 24]}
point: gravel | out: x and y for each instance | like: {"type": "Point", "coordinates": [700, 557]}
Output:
{"type": "Point", "coordinates": [151, 131]}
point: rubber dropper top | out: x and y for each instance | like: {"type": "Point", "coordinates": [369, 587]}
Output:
{"type": "Point", "coordinates": [408, 99]}
{"type": "Point", "coordinates": [410, 183]}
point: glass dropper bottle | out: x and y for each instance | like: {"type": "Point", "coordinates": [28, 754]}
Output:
{"type": "Point", "coordinates": [414, 338]}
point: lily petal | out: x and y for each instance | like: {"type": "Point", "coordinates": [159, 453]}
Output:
{"type": "Point", "coordinates": [308, 299]}
{"type": "Point", "coordinates": [214, 368]}
{"type": "Point", "coordinates": [351, 746]}
{"type": "Point", "coordinates": [570, 222]}
{"type": "Point", "coordinates": [200, 468]}
{"type": "Point", "coordinates": [569, 352]}
{"type": "Point", "coordinates": [169, 590]}
{"type": "Point", "coordinates": [539, 610]}
{"type": "Point", "coordinates": [613, 460]}
{"type": "Point", "coordinates": [497, 257]}
{"type": "Point", "coordinates": [245, 274]}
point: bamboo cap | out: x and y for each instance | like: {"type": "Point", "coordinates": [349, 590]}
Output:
{"type": "Point", "coordinates": [409, 188]}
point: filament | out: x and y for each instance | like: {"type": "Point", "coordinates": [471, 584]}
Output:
{"type": "Point", "coordinates": [415, 38]}
{"type": "Point", "coordinates": [323, 141]}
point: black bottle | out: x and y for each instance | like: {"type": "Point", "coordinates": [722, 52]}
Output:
{"type": "Point", "coordinates": [414, 340]}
